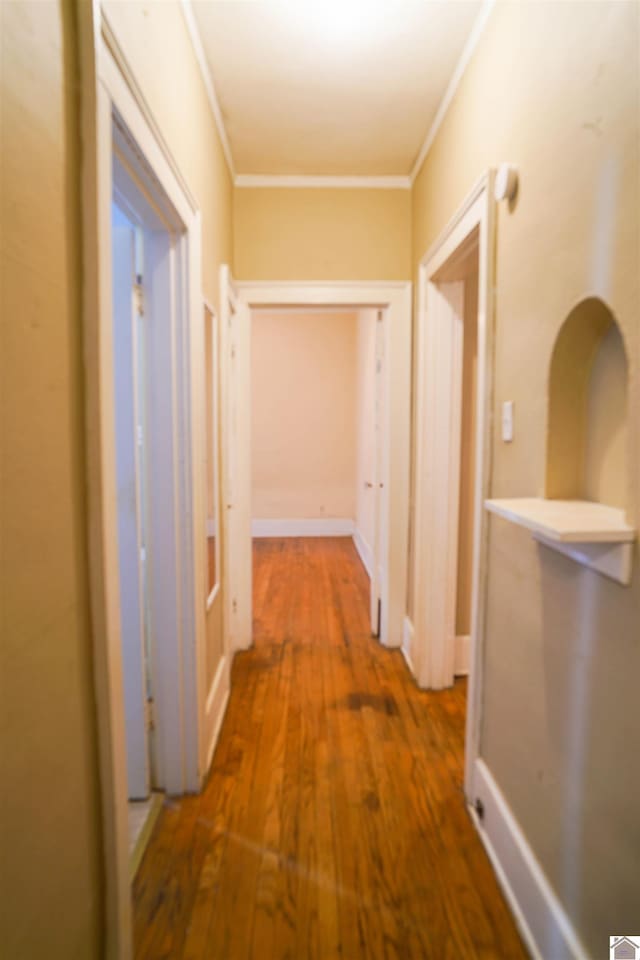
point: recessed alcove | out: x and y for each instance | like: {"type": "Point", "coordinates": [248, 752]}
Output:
{"type": "Point", "coordinates": [583, 512]}
{"type": "Point", "coordinates": [586, 427]}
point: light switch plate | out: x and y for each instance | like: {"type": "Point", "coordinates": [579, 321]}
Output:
{"type": "Point", "coordinates": [507, 421]}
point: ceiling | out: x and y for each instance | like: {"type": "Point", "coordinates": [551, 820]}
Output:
{"type": "Point", "coordinates": [334, 88]}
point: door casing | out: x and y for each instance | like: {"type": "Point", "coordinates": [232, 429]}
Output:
{"type": "Point", "coordinates": [236, 481]}
{"type": "Point", "coordinates": [438, 401]}
{"type": "Point", "coordinates": [113, 104]}
{"type": "Point", "coordinates": [394, 299]}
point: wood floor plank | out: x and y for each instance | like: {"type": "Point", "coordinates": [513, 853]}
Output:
{"type": "Point", "coordinates": [333, 823]}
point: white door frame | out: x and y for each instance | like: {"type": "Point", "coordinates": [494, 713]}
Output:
{"type": "Point", "coordinates": [215, 696]}
{"type": "Point", "coordinates": [395, 300]}
{"type": "Point", "coordinates": [380, 469]}
{"type": "Point", "coordinates": [111, 95]}
{"type": "Point", "coordinates": [235, 339]}
{"type": "Point", "coordinates": [438, 412]}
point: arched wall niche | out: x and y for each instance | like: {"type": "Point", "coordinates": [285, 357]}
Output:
{"type": "Point", "coordinates": [587, 418]}
{"type": "Point", "coordinates": [583, 513]}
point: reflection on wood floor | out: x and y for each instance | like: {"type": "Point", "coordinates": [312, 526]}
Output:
{"type": "Point", "coordinates": [333, 822]}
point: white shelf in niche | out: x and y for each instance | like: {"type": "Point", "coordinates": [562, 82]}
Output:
{"type": "Point", "coordinates": [592, 534]}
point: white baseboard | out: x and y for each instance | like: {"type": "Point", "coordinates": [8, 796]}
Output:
{"type": "Point", "coordinates": [215, 709]}
{"type": "Point", "coordinates": [407, 643]}
{"type": "Point", "coordinates": [364, 550]}
{"type": "Point", "coordinates": [543, 923]}
{"type": "Point", "coordinates": [313, 527]}
{"type": "Point", "coordinates": [461, 655]}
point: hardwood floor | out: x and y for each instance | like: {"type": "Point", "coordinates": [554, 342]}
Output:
{"type": "Point", "coordinates": [333, 823]}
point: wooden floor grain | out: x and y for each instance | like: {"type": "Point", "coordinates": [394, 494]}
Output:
{"type": "Point", "coordinates": [333, 823]}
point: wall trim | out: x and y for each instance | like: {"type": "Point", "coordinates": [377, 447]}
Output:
{"type": "Point", "coordinates": [437, 468]}
{"type": "Point", "coordinates": [303, 294]}
{"type": "Point", "coordinates": [309, 527]}
{"type": "Point", "coordinates": [109, 38]}
{"type": "Point", "coordinates": [452, 88]}
{"type": "Point", "coordinates": [364, 551]}
{"type": "Point", "coordinates": [407, 641]}
{"type": "Point", "coordinates": [394, 298]}
{"type": "Point", "coordinates": [461, 655]}
{"type": "Point", "coordinates": [216, 707]}
{"type": "Point", "coordinates": [113, 109]}
{"type": "Point", "coordinates": [322, 181]}
{"type": "Point", "coordinates": [207, 79]}
{"type": "Point", "coordinates": [541, 918]}
{"type": "Point", "coordinates": [289, 181]}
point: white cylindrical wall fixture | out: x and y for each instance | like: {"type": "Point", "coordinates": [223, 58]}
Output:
{"type": "Point", "coordinates": [506, 182]}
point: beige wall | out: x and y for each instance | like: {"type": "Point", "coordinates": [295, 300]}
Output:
{"type": "Point", "coordinates": [50, 838]}
{"type": "Point", "coordinates": [52, 895]}
{"type": "Point", "coordinates": [554, 89]}
{"type": "Point", "coordinates": [154, 38]}
{"type": "Point", "coordinates": [303, 399]}
{"type": "Point", "coordinates": [318, 234]}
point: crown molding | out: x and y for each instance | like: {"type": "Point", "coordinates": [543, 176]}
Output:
{"type": "Point", "coordinates": [330, 182]}
{"type": "Point", "coordinates": [286, 181]}
{"type": "Point", "coordinates": [462, 64]}
{"type": "Point", "coordinates": [198, 49]}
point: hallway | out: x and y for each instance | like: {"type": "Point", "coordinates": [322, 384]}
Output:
{"type": "Point", "coordinates": [332, 823]}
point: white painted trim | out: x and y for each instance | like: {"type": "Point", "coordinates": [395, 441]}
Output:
{"type": "Point", "coordinates": [213, 524]}
{"type": "Point", "coordinates": [364, 551]}
{"type": "Point", "coordinates": [432, 652]}
{"type": "Point", "coordinates": [109, 95]}
{"type": "Point", "coordinates": [102, 552]}
{"type": "Point", "coordinates": [465, 57]}
{"type": "Point", "coordinates": [215, 709]}
{"type": "Point", "coordinates": [110, 40]}
{"type": "Point", "coordinates": [453, 234]}
{"type": "Point", "coordinates": [262, 294]}
{"type": "Point", "coordinates": [302, 181]}
{"type": "Point", "coordinates": [312, 527]}
{"type": "Point", "coordinates": [211, 599]}
{"type": "Point", "coordinates": [329, 181]}
{"type": "Point", "coordinates": [541, 918]}
{"type": "Point", "coordinates": [395, 299]}
{"type": "Point", "coordinates": [198, 49]}
{"type": "Point", "coordinates": [237, 568]}
{"type": "Point", "coordinates": [407, 642]}
{"type": "Point", "coordinates": [462, 647]}
{"type": "Point", "coordinates": [259, 313]}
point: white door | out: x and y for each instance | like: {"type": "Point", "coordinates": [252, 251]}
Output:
{"type": "Point", "coordinates": [378, 564]}
{"type": "Point", "coordinates": [438, 482]}
{"type": "Point", "coordinates": [236, 438]}
{"type": "Point", "coordinates": [129, 444]}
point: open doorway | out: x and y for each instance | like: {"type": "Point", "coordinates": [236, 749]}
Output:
{"type": "Point", "coordinates": [142, 329]}
{"type": "Point", "coordinates": [318, 378]}
{"type": "Point", "coordinates": [393, 301]}
{"type": "Point", "coordinates": [144, 230]}
{"type": "Point", "coordinates": [453, 454]}
{"type": "Point", "coordinates": [458, 285]}
{"type": "Point", "coordinates": [150, 492]}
